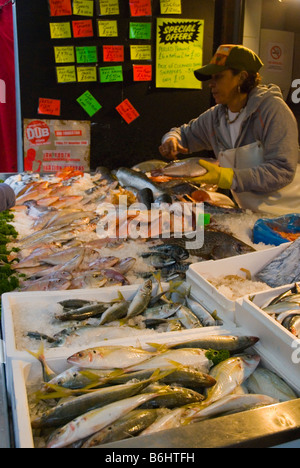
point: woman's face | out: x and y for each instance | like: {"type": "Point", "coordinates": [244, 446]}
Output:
{"type": "Point", "coordinates": [224, 87]}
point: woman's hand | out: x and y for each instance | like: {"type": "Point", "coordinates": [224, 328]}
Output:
{"type": "Point", "coordinates": [171, 148]}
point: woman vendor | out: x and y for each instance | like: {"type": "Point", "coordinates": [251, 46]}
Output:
{"type": "Point", "coordinates": [252, 132]}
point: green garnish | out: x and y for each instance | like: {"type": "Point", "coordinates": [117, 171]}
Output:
{"type": "Point", "coordinates": [217, 356]}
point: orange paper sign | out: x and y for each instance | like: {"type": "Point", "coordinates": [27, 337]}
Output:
{"type": "Point", "coordinates": [49, 106]}
{"type": "Point", "coordinates": [60, 7]}
{"type": "Point", "coordinates": [83, 28]}
{"type": "Point", "coordinates": [140, 7]}
{"type": "Point", "coordinates": [127, 111]}
{"type": "Point", "coordinates": [113, 53]}
{"type": "Point", "coordinates": [142, 72]}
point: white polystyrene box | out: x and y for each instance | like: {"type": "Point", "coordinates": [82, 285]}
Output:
{"type": "Point", "coordinates": [275, 341]}
{"type": "Point", "coordinates": [34, 299]}
{"type": "Point", "coordinates": [25, 373]}
{"type": "Point", "coordinates": [30, 372]}
{"type": "Point", "coordinates": [213, 299]}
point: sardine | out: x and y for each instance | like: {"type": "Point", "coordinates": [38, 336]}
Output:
{"type": "Point", "coordinates": [203, 315]}
{"type": "Point", "coordinates": [140, 300]}
{"type": "Point", "coordinates": [188, 318]}
{"type": "Point", "coordinates": [114, 312]}
{"type": "Point", "coordinates": [267, 382]}
{"type": "Point", "coordinates": [95, 420]}
{"type": "Point", "coordinates": [229, 374]}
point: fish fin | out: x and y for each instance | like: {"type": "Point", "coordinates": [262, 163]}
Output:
{"type": "Point", "coordinates": [160, 348]}
{"type": "Point", "coordinates": [215, 316]}
{"type": "Point", "coordinates": [120, 298]}
{"type": "Point", "coordinates": [58, 392]}
{"type": "Point", "coordinates": [39, 355]}
{"type": "Point", "coordinates": [158, 375]}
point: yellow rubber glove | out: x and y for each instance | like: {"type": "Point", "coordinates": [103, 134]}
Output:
{"type": "Point", "coordinates": [216, 175]}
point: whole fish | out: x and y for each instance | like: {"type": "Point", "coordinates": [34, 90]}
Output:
{"type": "Point", "coordinates": [148, 166]}
{"type": "Point", "coordinates": [183, 168]}
{"type": "Point", "coordinates": [140, 300]}
{"type": "Point", "coordinates": [114, 312]}
{"type": "Point", "coordinates": [82, 313]}
{"type": "Point", "coordinates": [230, 374]}
{"type": "Point", "coordinates": [228, 404]}
{"type": "Point", "coordinates": [171, 419]}
{"type": "Point", "coordinates": [63, 256]}
{"type": "Point", "coordinates": [70, 409]}
{"type": "Point", "coordinates": [217, 245]}
{"type": "Point", "coordinates": [76, 378]}
{"type": "Point", "coordinates": [93, 421]}
{"type": "Point", "coordinates": [292, 324]}
{"type": "Point", "coordinates": [130, 425]}
{"type": "Point", "coordinates": [130, 178]}
{"type": "Point", "coordinates": [267, 382]}
{"type": "Point", "coordinates": [175, 251]}
{"type": "Point", "coordinates": [187, 317]}
{"type": "Point", "coordinates": [192, 357]}
{"type": "Point", "coordinates": [283, 269]}
{"type": "Point", "coordinates": [171, 396]}
{"type": "Point", "coordinates": [110, 357]}
{"type": "Point", "coordinates": [203, 315]}
{"type": "Point", "coordinates": [234, 344]}
{"type": "Point", "coordinates": [183, 375]}
{"type": "Point", "coordinates": [295, 290]}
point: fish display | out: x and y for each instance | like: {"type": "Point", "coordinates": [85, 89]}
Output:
{"type": "Point", "coordinates": [150, 308]}
{"type": "Point", "coordinates": [135, 392]}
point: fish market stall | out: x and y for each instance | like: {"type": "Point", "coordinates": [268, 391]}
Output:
{"type": "Point", "coordinates": [147, 305]}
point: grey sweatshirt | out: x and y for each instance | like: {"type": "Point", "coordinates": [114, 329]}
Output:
{"type": "Point", "coordinates": [7, 197]}
{"type": "Point", "coordinates": [267, 119]}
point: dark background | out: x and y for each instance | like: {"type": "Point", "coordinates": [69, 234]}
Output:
{"type": "Point", "coordinates": [114, 143]}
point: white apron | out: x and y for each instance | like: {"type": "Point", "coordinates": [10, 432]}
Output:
{"type": "Point", "coordinates": [280, 202]}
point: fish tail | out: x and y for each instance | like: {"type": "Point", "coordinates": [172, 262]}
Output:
{"type": "Point", "coordinates": [48, 374]}
{"type": "Point", "coordinates": [158, 375]}
{"type": "Point", "coordinates": [58, 392]}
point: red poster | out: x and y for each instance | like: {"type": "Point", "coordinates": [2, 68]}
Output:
{"type": "Point", "coordinates": [142, 72]}
{"type": "Point", "coordinates": [83, 28]}
{"type": "Point", "coordinates": [49, 106]}
{"type": "Point", "coordinates": [60, 7]}
{"type": "Point", "coordinates": [113, 53]}
{"type": "Point", "coordinates": [8, 133]}
{"type": "Point", "coordinates": [140, 7]}
{"type": "Point", "coordinates": [127, 111]}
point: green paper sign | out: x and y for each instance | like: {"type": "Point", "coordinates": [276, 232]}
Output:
{"type": "Point", "coordinates": [89, 103]}
{"type": "Point", "coordinates": [111, 74]}
{"type": "Point", "coordinates": [86, 54]}
{"type": "Point", "coordinates": [140, 31]}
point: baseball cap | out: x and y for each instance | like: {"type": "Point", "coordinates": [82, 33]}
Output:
{"type": "Point", "coordinates": [230, 56]}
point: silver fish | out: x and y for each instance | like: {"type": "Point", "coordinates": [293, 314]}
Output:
{"type": "Point", "coordinates": [229, 374]}
{"type": "Point", "coordinates": [95, 420]}
{"type": "Point", "coordinates": [230, 403]}
{"type": "Point", "coordinates": [203, 315]}
{"type": "Point", "coordinates": [140, 300]}
{"type": "Point", "coordinates": [187, 318]}
{"type": "Point", "coordinates": [183, 168]}
{"type": "Point", "coordinates": [267, 382]}
{"type": "Point", "coordinates": [130, 178]}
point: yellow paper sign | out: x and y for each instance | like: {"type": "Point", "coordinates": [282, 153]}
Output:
{"type": "Point", "coordinates": [64, 54]}
{"type": "Point", "coordinates": [83, 7]}
{"type": "Point", "coordinates": [66, 74]}
{"type": "Point", "coordinates": [179, 52]}
{"type": "Point", "coordinates": [108, 28]}
{"type": "Point", "coordinates": [85, 74]}
{"type": "Point", "coordinates": [170, 7]}
{"type": "Point", "coordinates": [60, 30]}
{"type": "Point", "coordinates": [109, 7]}
{"type": "Point", "coordinates": [140, 52]}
